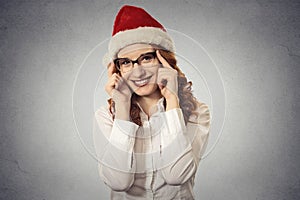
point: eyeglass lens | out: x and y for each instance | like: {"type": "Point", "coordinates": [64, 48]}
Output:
{"type": "Point", "coordinates": [125, 64]}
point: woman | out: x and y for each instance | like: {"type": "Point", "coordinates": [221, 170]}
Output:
{"type": "Point", "coordinates": [156, 130]}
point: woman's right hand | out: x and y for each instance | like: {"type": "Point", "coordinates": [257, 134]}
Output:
{"type": "Point", "coordinates": [116, 87]}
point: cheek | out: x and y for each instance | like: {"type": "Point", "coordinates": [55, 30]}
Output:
{"type": "Point", "coordinates": [154, 71]}
{"type": "Point", "coordinates": [154, 78]}
{"type": "Point", "coordinates": [126, 76]}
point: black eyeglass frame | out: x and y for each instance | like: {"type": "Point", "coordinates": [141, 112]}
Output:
{"type": "Point", "coordinates": [134, 61]}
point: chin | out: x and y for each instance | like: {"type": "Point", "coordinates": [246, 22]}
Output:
{"type": "Point", "coordinates": [146, 90]}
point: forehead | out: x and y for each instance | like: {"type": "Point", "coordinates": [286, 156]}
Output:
{"type": "Point", "coordinates": [134, 50]}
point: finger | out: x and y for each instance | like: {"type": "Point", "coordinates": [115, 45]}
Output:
{"type": "Point", "coordinates": [162, 60]}
{"type": "Point", "coordinates": [118, 82]}
{"type": "Point", "coordinates": [122, 84]}
{"type": "Point", "coordinates": [113, 80]}
{"type": "Point", "coordinates": [161, 86]}
{"type": "Point", "coordinates": [117, 85]}
{"type": "Point", "coordinates": [110, 69]}
{"type": "Point", "coordinates": [115, 76]}
{"type": "Point", "coordinates": [117, 79]}
{"type": "Point", "coordinates": [168, 71]}
{"type": "Point", "coordinates": [118, 76]}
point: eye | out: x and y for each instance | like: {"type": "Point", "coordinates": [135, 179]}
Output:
{"type": "Point", "coordinates": [147, 58]}
{"type": "Point", "coordinates": [124, 62]}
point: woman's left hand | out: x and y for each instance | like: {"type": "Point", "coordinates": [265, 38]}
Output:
{"type": "Point", "coordinates": [167, 79]}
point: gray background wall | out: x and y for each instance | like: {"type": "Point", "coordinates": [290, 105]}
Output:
{"type": "Point", "coordinates": [254, 43]}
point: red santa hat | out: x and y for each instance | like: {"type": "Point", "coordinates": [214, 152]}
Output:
{"type": "Point", "coordinates": [134, 25]}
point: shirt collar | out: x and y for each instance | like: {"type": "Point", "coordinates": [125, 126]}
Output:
{"type": "Point", "coordinates": [158, 107]}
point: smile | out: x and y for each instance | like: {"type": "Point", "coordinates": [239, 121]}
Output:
{"type": "Point", "coordinates": [142, 82]}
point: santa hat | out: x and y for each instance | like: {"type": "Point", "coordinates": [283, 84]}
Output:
{"type": "Point", "coordinates": [134, 25]}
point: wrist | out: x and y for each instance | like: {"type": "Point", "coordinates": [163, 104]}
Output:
{"type": "Point", "coordinates": [172, 102]}
{"type": "Point", "coordinates": [122, 110]}
{"type": "Point", "coordinates": [122, 102]}
{"type": "Point", "coordinates": [172, 99]}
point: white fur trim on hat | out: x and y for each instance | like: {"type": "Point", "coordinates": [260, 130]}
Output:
{"type": "Point", "coordinates": [148, 35]}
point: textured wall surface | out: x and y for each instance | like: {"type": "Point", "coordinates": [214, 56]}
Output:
{"type": "Point", "coordinates": [255, 44]}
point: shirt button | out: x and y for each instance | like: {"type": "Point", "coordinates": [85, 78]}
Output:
{"type": "Point", "coordinates": [146, 124]}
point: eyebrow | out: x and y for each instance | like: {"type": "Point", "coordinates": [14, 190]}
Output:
{"type": "Point", "coordinates": [139, 56]}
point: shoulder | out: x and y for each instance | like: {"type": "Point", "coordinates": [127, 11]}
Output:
{"type": "Point", "coordinates": [103, 113]}
{"type": "Point", "coordinates": [102, 110]}
{"type": "Point", "coordinates": [202, 114]}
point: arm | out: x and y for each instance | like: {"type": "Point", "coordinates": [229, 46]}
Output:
{"type": "Point", "coordinates": [180, 153]}
{"type": "Point", "coordinates": [116, 162]}
{"type": "Point", "coordinates": [184, 145]}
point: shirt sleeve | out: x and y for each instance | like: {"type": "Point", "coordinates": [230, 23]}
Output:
{"type": "Point", "coordinates": [114, 141]}
{"type": "Point", "coordinates": [183, 145]}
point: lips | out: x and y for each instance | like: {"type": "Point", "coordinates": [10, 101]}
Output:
{"type": "Point", "coordinates": [141, 82]}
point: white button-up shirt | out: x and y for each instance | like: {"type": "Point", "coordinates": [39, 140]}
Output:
{"type": "Point", "coordinates": [157, 160]}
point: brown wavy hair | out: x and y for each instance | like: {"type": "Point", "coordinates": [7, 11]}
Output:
{"type": "Point", "coordinates": [187, 102]}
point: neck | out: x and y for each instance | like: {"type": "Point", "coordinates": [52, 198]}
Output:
{"type": "Point", "coordinates": [147, 101]}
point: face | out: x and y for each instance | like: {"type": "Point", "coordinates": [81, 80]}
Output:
{"type": "Point", "coordinates": [142, 78]}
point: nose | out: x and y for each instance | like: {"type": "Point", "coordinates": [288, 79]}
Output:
{"type": "Point", "coordinates": [139, 71]}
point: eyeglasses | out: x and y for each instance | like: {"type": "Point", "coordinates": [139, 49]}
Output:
{"type": "Point", "coordinates": [125, 64]}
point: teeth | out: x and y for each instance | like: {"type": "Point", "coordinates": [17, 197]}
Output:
{"type": "Point", "coordinates": [141, 82]}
